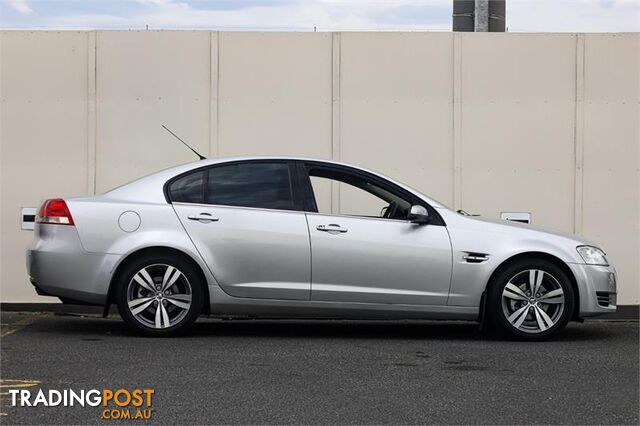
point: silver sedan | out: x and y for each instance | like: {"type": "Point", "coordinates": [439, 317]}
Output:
{"type": "Point", "coordinates": [291, 237]}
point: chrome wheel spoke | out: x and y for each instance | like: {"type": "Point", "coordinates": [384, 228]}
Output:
{"type": "Point", "coordinates": [518, 317]}
{"type": "Point", "coordinates": [182, 297]}
{"type": "Point", "coordinates": [553, 297]}
{"type": "Point", "coordinates": [158, 321]}
{"type": "Point", "coordinates": [169, 280]}
{"type": "Point", "coordinates": [165, 315]}
{"type": "Point", "coordinates": [539, 319]}
{"type": "Point", "coordinates": [162, 317]}
{"type": "Point", "coordinates": [526, 308]}
{"type": "Point", "coordinates": [543, 320]}
{"type": "Point", "coordinates": [135, 302]}
{"type": "Point", "coordinates": [553, 300]}
{"type": "Point", "coordinates": [512, 291]}
{"type": "Point", "coordinates": [141, 306]}
{"type": "Point", "coordinates": [144, 279]}
{"type": "Point", "coordinates": [150, 299]}
{"type": "Point", "coordinates": [535, 281]}
{"type": "Point", "coordinates": [515, 289]}
{"type": "Point", "coordinates": [167, 275]}
{"type": "Point", "coordinates": [178, 302]}
{"type": "Point", "coordinates": [552, 294]}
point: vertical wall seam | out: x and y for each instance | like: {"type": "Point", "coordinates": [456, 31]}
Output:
{"type": "Point", "coordinates": [578, 188]}
{"type": "Point", "coordinates": [218, 36]}
{"type": "Point", "coordinates": [457, 121]}
{"type": "Point", "coordinates": [336, 130]}
{"type": "Point", "coordinates": [214, 85]}
{"type": "Point", "coordinates": [332, 91]}
{"type": "Point", "coordinates": [92, 74]}
{"type": "Point", "coordinates": [210, 98]}
{"type": "Point", "coordinates": [95, 112]}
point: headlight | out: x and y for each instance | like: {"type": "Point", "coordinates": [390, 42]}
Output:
{"type": "Point", "coordinates": [592, 255]}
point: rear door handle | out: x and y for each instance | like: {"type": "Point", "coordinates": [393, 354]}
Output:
{"type": "Point", "coordinates": [203, 217]}
{"type": "Point", "coordinates": [332, 228]}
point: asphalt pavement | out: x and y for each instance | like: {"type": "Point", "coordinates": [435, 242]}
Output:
{"type": "Point", "coordinates": [326, 372]}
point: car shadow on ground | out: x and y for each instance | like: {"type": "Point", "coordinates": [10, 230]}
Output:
{"type": "Point", "coordinates": [94, 327]}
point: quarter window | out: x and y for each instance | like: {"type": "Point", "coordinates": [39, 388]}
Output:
{"type": "Point", "coordinates": [188, 189]}
{"type": "Point", "coordinates": [259, 185]}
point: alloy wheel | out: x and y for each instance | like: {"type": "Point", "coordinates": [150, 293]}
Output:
{"type": "Point", "coordinates": [533, 301]}
{"type": "Point", "coordinates": [159, 296]}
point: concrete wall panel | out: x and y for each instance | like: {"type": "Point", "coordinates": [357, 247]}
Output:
{"type": "Point", "coordinates": [396, 94]}
{"type": "Point", "coordinates": [518, 113]}
{"type": "Point", "coordinates": [611, 182]}
{"type": "Point", "coordinates": [43, 133]}
{"type": "Point", "coordinates": [145, 79]}
{"type": "Point", "coordinates": [275, 94]}
{"type": "Point", "coordinates": [545, 123]}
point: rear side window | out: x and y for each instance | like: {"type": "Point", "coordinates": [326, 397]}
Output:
{"type": "Point", "coordinates": [259, 185]}
{"type": "Point", "coordinates": [188, 189]}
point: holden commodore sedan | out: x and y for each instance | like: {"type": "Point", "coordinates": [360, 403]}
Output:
{"type": "Point", "coordinates": [290, 237]}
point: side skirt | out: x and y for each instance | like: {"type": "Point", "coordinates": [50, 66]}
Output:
{"type": "Point", "coordinates": [224, 305]}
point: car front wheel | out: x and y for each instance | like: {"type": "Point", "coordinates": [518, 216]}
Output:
{"type": "Point", "coordinates": [531, 299]}
{"type": "Point", "coordinates": [159, 296]}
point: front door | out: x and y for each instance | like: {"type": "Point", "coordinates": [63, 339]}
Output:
{"type": "Point", "coordinates": [244, 220]}
{"type": "Point", "coordinates": [368, 252]}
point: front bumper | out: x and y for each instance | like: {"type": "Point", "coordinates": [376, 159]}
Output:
{"type": "Point", "coordinates": [597, 286]}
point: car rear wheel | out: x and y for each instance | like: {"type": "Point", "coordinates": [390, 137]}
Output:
{"type": "Point", "coordinates": [531, 299]}
{"type": "Point", "coordinates": [159, 296]}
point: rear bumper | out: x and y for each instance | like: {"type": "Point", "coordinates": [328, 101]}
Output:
{"type": "Point", "coordinates": [59, 266]}
{"type": "Point", "coordinates": [598, 288]}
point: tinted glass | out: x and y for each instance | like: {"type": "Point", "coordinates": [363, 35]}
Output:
{"type": "Point", "coordinates": [188, 189]}
{"type": "Point", "coordinates": [358, 196]}
{"type": "Point", "coordinates": [262, 185]}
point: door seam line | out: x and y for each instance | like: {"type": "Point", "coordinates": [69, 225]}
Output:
{"type": "Point", "coordinates": [310, 257]}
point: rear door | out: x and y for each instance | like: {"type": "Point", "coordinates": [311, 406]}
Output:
{"type": "Point", "coordinates": [246, 221]}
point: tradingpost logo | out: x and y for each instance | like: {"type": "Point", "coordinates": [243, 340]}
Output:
{"type": "Point", "coordinates": [117, 404]}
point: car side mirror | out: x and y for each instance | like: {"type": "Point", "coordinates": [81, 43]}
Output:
{"type": "Point", "coordinates": [419, 214]}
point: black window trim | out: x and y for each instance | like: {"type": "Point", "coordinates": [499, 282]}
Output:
{"type": "Point", "coordinates": [306, 189]}
{"type": "Point", "coordinates": [297, 199]}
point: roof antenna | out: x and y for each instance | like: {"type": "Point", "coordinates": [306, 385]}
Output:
{"type": "Point", "coordinates": [185, 144]}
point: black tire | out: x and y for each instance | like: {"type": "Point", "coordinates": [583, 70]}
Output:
{"type": "Point", "coordinates": [500, 308]}
{"type": "Point", "coordinates": [143, 323]}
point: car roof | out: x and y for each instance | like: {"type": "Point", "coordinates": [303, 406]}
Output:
{"type": "Point", "coordinates": [150, 188]}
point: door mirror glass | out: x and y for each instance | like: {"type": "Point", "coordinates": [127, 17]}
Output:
{"type": "Point", "coordinates": [418, 214]}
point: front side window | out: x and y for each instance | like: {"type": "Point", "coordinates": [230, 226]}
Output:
{"type": "Point", "coordinates": [359, 196]}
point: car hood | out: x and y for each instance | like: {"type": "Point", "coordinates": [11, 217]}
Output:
{"type": "Point", "coordinates": [506, 226]}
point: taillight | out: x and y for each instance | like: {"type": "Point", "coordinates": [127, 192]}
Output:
{"type": "Point", "coordinates": [54, 211]}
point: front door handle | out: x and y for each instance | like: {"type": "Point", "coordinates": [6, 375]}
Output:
{"type": "Point", "coordinates": [203, 217]}
{"type": "Point", "coordinates": [332, 228]}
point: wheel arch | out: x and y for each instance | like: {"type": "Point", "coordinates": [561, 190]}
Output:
{"type": "Point", "coordinates": [532, 255]}
{"type": "Point", "coordinates": [150, 251]}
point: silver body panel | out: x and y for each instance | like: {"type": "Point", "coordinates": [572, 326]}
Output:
{"type": "Point", "coordinates": [379, 261]}
{"type": "Point", "coordinates": [62, 267]}
{"type": "Point", "coordinates": [255, 253]}
{"type": "Point", "coordinates": [271, 262]}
